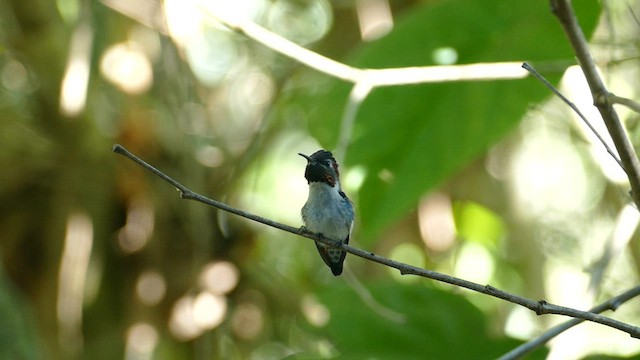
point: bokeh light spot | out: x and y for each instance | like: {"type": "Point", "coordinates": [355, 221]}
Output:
{"type": "Point", "coordinates": [316, 313]}
{"type": "Point", "coordinates": [445, 56]}
{"type": "Point", "coordinates": [126, 66]}
{"type": "Point", "coordinates": [435, 219]}
{"type": "Point", "coordinates": [219, 277]}
{"type": "Point", "coordinates": [182, 324]}
{"type": "Point", "coordinates": [13, 76]}
{"type": "Point", "coordinates": [136, 232]}
{"type": "Point", "coordinates": [210, 156]}
{"type": "Point", "coordinates": [142, 339]}
{"type": "Point", "coordinates": [248, 321]}
{"type": "Point", "coordinates": [150, 287]}
{"type": "Point", "coordinates": [209, 310]}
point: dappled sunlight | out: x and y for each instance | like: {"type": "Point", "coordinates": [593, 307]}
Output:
{"type": "Point", "coordinates": [248, 321]}
{"type": "Point", "coordinates": [557, 191]}
{"type": "Point", "coordinates": [182, 322]}
{"type": "Point", "coordinates": [374, 18]}
{"type": "Point", "coordinates": [13, 75]}
{"type": "Point", "coordinates": [549, 174]}
{"type": "Point", "coordinates": [626, 225]}
{"type": "Point", "coordinates": [219, 277]}
{"type": "Point", "coordinates": [138, 228]}
{"type": "Point", "coordinates": [353, 178]}
{"type": "Point", "coordinates": [521, 323]}
{"type": "Point", "coordinates": [475, 263]}
{"type": "Point", "coordinates": [456, 160]}
{"type": "Point", "coordinates": [211, 55]}
{"type": "Point", "coordinates": [300, 22]}
{"type": "Point", "coordinates": [73, 94]}
{"type": "Point", "coordinates": [577, 90]}
{"type": "Point", "coordinates": [209, 310]}
{"type": "Point", "coordinates": [316, 313]}
{"type": "Point", "coordinates": [193, 314]}
{"type": "Point", "coordinates": [126, 66]}
{"type": "Point", "coordinates": [437, 226]}
{"type": "Point", "coordinates": [564, 282]}
{"type": "Point", "coordinates": [74, 264]}
{"type": "Point", "coordinates": [210, 156]}
{"type": "Point", "coordinates": [251, 92]}
{"type": "Point", "coordinates": [210, 48]}
{"type": "Point", "coordinates": [445, 55]}
{"type": "Point", "coordinates": [276, 188]}
{"type": "Point", "coordinates": [142, 339]}
{"type": "Point", "coordinates": [151, 287]}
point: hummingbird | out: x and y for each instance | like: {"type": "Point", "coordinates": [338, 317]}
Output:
{"type": "Point", "coordinates": [328, 211]}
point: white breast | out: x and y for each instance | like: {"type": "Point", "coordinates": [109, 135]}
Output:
{"type": "Point", "coordinates": [325, 211]}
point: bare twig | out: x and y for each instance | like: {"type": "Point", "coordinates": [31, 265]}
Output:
{"type": "Point", "coordinates": [573, 106]}
{"type": "Point", "coordinates": [563, 10]}
{"type": "Point", "coordinates": [633, 105]}
{"type": "Point", "coordinates": [611, 304]}
{"type": "Point", "coordinates": [540, 307]}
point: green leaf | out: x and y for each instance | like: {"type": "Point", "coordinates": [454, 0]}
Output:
{"type": "Point", "coordinates": [18, 338]}
{"type": "Point", "coordinates": [436, 325]}
{"type": "Point", "coordinates": [475, 222]}
{"type": "Point", "coordinates": [409, 139]}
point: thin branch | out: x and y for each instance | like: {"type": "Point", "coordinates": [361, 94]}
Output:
{"type": "Point", "coordinates": [611, 304]}
{"type": "Point", "coordinates": [540, 307]}
{"type": "Point", "coordinates": [626, 224]}
{"type": "Point", "coordinates": [573, 106]}
{"type": "Point", "coordinates": [633, 105]}
{"type": "Point", "coordinates": [368, 300]}
{"type": "Point", "coordinates": [358, 94]}
{"type": "Point", "coordinates": [374, 77]}
{"type": "Point", "coordinates": [563, 10]}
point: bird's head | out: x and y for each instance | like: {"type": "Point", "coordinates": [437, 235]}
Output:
{"type": "Point", "coordinates": [321, 167]}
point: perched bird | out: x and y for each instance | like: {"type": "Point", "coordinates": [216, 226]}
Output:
{"type": "Point", "coordinates": [328, 211]}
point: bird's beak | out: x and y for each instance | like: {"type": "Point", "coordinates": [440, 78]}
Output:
{"type": "Point", "coordinates": [306, 157]}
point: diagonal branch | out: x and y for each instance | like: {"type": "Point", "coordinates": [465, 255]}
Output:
{"type": "Point", "coordinates": [563, 10]}
{"type": "Point", "coordinates": [611, 304]}
{"type": "Point", "coordinates": [540, 307]}
{"type": "Point", "coordinates": [573, 106]}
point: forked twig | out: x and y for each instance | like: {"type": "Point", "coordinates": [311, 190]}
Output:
{"type": "Point", "coordinates": [563, 10]}
{"type": "Point", "coordinates": [611, 304]}
{"type": "Point", "coordinates": [573, 106]}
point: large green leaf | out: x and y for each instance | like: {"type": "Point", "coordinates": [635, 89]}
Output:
{"type": "Point", "coordinates": [410, 138]}
{"type": "Point", "coordinates": [18, 338]}
{"type": "Point", "coordinates": [436, 325]}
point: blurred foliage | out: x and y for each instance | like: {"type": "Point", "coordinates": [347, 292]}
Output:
{"type": "Point", "coordinates": [476, 223]}
{"type": "Point", "coordinates": [18, 338]}
{"type": "Point", "coordinates": [461, 335]}
{"type": "Point", "coordinates": [104, 261]}
{"type": "Point", "coordinates": [414, 132]}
